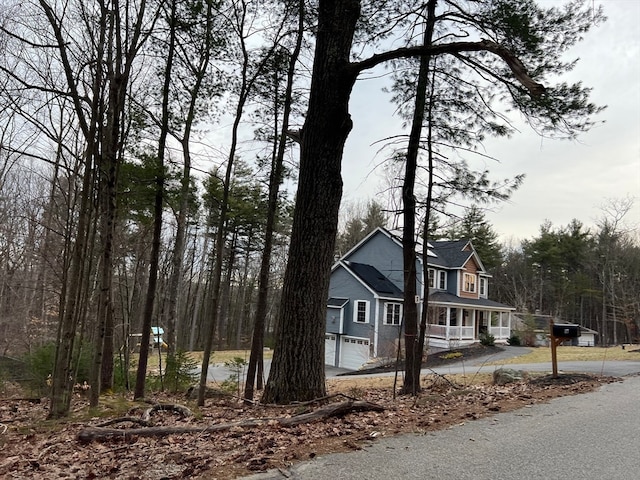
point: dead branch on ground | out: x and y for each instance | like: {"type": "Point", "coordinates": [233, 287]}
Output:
{"type": "Point", "coordinates": [99, 433]}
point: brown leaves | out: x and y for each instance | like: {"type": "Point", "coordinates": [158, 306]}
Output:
{"type": "Point", "coordinates": [35, 448]}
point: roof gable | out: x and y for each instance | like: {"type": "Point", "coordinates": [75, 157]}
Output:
{"type": "Point", "coordinates": [449, 254]}
{"type": "Point", "coordinates": [375, 280]}
{"type": "Point", "coordinates": [365, 240]}
{"type": "Point", "coordinates": [454, 254]}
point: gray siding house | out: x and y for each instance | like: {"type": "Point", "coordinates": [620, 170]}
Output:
{"type": "Point", "coordinates": [365, 305]}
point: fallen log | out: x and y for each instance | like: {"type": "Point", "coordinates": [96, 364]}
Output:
{"type": "Point", "coordinates": [91, 434]}
{"type": "Point", "coordinates": [145, 421]}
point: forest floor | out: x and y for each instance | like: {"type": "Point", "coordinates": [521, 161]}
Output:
{"type": "Point", "coordinates": [161, 439]}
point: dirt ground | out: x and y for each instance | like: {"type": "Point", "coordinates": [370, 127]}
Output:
{"type": "Point", "coordinates": [224, 440]}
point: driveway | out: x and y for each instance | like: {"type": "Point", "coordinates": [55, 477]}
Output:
{"type": "Point", "coordinates": [218, 373]}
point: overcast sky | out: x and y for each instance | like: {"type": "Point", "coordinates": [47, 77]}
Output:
{"type": "Point", "coordinates": [564, 179]}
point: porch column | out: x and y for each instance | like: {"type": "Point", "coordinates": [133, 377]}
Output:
{"type": "Point", "coordinates": [448, 324]}
{"type": "Point", "coordinates": [474, 321]}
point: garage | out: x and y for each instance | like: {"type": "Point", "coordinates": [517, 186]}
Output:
{"type": "Point", "coordinates": [330, 349]}
{"type": "Point", "coordinates": [354, 352]}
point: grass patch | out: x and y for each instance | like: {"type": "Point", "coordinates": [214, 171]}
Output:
{"type": "Point", "coordinates": [451, 355]}
{"type": "Point", "coordinates": [222, 356]}
{"type": "Point", "coordinates": [568, 354]}
{"type": "Point", "coordinates": [349, 385]}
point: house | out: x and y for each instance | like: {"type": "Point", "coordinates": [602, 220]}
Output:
{"type": "Point", "coordinates": [536, 328]}
{"type": "Point", "coordinates": [365, 305]}
{"type": "Point", "coordinates": [587, 337]}
{"type": "Point", "coordinates": [155, 339]}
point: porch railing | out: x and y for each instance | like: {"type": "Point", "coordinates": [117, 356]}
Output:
{"type": "Point", "coordinates": [500, 332]}
{"type": "Point", "coordinates": [454, 332]}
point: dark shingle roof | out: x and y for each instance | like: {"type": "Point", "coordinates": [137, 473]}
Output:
{"type": "Point", "coordinates": [374, 279]}
{"type": "Point", "coordinates": [337, 302]}
{"type": "Point", "coordinates": [450, 253]}
{"type": "Point", "coordinates": [444, 297]}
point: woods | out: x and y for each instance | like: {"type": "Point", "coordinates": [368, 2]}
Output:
{"type": "Point", "coordinates": [178, 165]}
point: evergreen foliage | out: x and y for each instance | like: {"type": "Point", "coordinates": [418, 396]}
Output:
{"type": "Point", "coordinates": [360, 224]}
{"type": "Point", "coordinates": [474, 226]}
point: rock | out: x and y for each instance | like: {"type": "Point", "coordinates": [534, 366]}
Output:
{"type": "Point", "coordinates": [192, 393]}
{"type": "Point", "coordinates": [502, 376]}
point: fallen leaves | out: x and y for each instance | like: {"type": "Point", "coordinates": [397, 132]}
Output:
{"type": "Point", "coordinates": [257, 438]}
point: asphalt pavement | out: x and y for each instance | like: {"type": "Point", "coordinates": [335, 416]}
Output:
{"type": "Point", "coordinates": [587, 436]}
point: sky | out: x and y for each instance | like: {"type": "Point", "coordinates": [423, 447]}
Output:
{"type": "Point", "coordinates": [565, 180]}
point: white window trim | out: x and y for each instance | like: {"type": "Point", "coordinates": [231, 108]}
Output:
{"type": "Point", "coordinates": [366, 311]}
{"type": "Point", "coordinates": [474, 284]}
{"type": "Point", "coordinates": [431, 280]}
{"type": "Point", "coordinates": [483, 286]}
{"type": "Point", "coordinates": [388, 305]}
{"type": "Point", "coordinates": [440, 273]}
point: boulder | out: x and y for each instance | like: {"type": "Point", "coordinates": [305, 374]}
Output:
{"type": "Point", "coordinates": [502, 376]}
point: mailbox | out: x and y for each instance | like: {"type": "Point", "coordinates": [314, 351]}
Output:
{"type": "Point", "coordinates": [566, 330]}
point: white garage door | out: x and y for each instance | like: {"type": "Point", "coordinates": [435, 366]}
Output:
{"type": "Point", "coordinates": [330, 350]}
{"type": "Point", "coordinates": [354, 352]}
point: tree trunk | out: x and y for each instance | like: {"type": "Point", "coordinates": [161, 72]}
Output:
{"type": "Point", "coordinates": [255, 366]}
{"type": "Point", "coordinates": [62, 385]}
{"type": "Point", "coordinates": [297, 371]}
{"type": "Point", "coordinates": [424, 314]}
{"type": "Point", "coordinates": [147, 319]}
{"type": "Point", "coordinates": [177, 262]}
{"type": "Point", "coordinates": [223, 326]}
{"type": "Point", "coordinates": [413, 348]}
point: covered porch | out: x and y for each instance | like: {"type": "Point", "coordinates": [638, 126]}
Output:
{"type": "Point", "coordinates": [461, 325]}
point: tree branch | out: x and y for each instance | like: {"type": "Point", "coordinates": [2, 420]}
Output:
{"type": "Point", "coordinates": [517, 68]}
{"type": "Point", "coordinates": [90, 434]}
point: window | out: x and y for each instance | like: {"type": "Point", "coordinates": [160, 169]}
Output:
{"type": "Point", "coordinates": [432, 278]}
{"type": "Point", "coordinates": [453, 317]}
{"type": "Point", "coordinates": [469, 283]}
{"type": "Point", "coordinates": [361, 313]}
{"type": "Point", "coordinates": [442, 280]}
{"type": "Point", "coordinates": [483, 287]}
{"type": "Point", "coordinates": [392, 313]}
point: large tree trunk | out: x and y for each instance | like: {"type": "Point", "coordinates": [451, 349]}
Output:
{"type": "Point", "coordinates": [297, 371]}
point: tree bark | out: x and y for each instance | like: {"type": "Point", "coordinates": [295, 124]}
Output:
{"type": "Point", "coordinates": [297, 371]}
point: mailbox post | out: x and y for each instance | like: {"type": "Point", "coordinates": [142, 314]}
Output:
{"type": "Point", "coordinates": [560, 332]}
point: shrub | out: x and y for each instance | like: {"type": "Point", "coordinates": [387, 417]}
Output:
{"type": "Point", "coordinates": [181, 371]}
{"type": "Point", "coordinates": [514, 340]}
{"type": "Point", "coordinates": [487, 340]}
{"type": "Point", "coordinates": [39, 366]}
{"type": "Point", "coordinates": [232, 384]}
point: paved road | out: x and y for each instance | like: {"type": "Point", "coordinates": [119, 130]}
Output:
{"type": "Point", "coordinates": [588, 436]}
{"type": "Point", "coordinates": [219, 373]}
